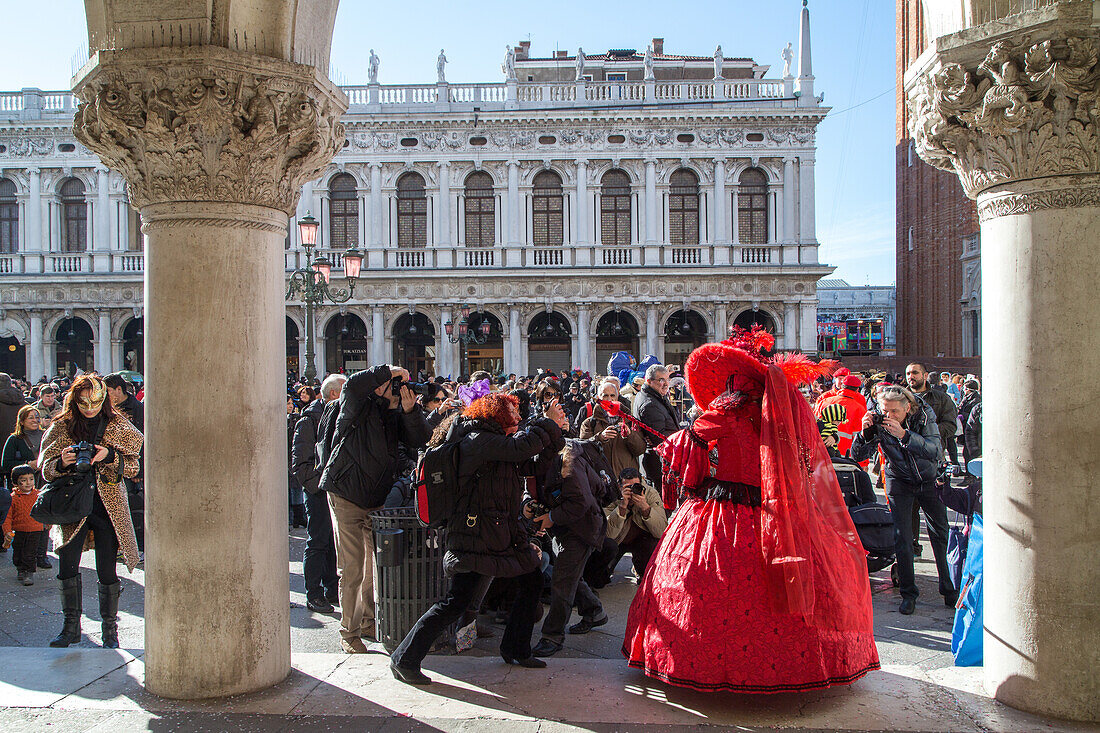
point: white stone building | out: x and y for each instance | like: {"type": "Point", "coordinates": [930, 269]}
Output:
{"type": "Point", "coordinates": [628, 201]}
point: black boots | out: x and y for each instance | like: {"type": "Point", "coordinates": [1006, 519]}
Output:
{"type": "Point", "coordinates": [70, 605]}
{"type": "Point", "coordinates": [108, 611]}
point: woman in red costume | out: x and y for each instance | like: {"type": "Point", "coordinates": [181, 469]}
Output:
{"type": "Point", "coordinates": [760, 582]}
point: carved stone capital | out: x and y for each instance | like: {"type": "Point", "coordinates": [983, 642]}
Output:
{"type": "Point", "coordinates": [209, 124]}
{"type": "Point", "coordinates": [1018, 109]}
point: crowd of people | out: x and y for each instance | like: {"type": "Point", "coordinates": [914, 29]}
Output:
{"type": "Point", "coordinates": [707, 477]}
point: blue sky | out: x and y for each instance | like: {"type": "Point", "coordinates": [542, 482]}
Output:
{"type": "Point", "coordinates": [853, 55]}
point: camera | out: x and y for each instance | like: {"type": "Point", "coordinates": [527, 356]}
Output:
{"type": "Point", "coordinates": [876, 418]}
{"type": "Point", "coordinates": [537, 508]}
{"type": "Point", "coordinates": [637, 490]}
{"type": "Point", "coordinates": [85, 451]}
{"type": "Point", "coordinates": [417, 388]}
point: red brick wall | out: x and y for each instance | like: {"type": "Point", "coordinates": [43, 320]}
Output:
{"type": "Point", "coordinates": [932, 202]}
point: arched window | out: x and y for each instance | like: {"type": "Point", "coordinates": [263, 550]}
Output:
{"type": "Point", "coordinates": [615, 209]}
{"type": "Point", "coordinates": [74, 217]}
{"type": "Point", "coordinates": [480, 209]}
{"type": "Point", "coordinates": [548, 210]}
{"type": "Point", "coordinates": [343, 214]}
{"type": "Point", "coordinates": [412, 211]}
{"type": "Point", "coordinates": [752, 207]}
{"type": "Point", "coordinates": [683, 208]}
{"type": "Point", "coordinates": [9, 218]}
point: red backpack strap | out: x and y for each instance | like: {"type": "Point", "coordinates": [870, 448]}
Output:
{"type": "Point", "coordinates": [589, 409]}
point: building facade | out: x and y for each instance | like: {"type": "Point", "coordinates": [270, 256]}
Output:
{"type": "Point", "coordinates": [935, 221]}
{"type": "Point", "coordinates": [646, 202]}
{"type": "Point", "coordinates": [855, 319]}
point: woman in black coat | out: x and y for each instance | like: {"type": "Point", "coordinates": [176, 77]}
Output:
{"type": "Point", "coordinates": [493, 459]}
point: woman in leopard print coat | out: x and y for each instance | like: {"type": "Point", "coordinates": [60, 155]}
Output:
{"type": "Point", "coordinates": [87, 412]}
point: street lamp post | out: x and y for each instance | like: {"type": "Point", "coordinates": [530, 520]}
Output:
{"type": "Point", "coordinates": [313, 284]}
{"type": "Point", "coordinates": [467, 335]}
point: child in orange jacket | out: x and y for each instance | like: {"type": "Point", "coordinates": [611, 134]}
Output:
{"type": "Point", "coordinates": [27, 531]}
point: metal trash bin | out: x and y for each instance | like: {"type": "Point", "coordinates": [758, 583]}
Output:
{"type": "Point", "coordinates": [408, 572]}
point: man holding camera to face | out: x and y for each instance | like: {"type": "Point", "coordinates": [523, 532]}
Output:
{"type": "Point", "coordinates": [359, 450]}
{"type": "Point", "coordinates": [905, 427]}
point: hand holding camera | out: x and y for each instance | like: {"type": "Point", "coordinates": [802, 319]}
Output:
{"type": "Point", "coordinates": [82, 455]}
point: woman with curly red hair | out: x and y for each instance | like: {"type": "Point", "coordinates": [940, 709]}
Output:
{"type": "Point", "coordinates": [490, 541]}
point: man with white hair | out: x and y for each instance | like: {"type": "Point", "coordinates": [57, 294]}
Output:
{"type": "Point", "coordinates": [319, 557]}
{"type": "Point", "coordinates": [905, 428]}
{"type": "Point", "coordinates": [652, 407]}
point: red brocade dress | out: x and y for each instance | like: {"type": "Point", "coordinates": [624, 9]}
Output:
{"type": "Point", "coordinates": [725, 604]}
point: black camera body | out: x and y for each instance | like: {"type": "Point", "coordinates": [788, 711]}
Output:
{"type": "Point", "coordinates": [417, 388]}
{"type": "Point", "coordinates": [85, 452]}
{"type": "Point", "coordinates": [876, 418]}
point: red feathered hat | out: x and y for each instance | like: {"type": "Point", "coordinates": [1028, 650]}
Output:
{"type": "Point", "coordinates": [709, 368]}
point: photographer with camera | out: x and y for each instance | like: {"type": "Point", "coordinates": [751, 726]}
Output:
{"type": "Point", "coordinates": [905, 428]}
{"type": "Point", "coordinates": [636, 521]}
{"type": "Point", "coordinates": [90, 434]}
{"type": "Point", "coordinates": [360, 449]}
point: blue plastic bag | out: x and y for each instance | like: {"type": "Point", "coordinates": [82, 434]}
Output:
{"type": "Point", "coordinates": [966, 635]}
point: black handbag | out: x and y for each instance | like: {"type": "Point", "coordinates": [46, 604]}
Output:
{"type": "Point", "coordinates": [69, 498]}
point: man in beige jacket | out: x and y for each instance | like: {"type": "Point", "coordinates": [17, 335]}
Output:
{"type": "Point", "coordinates": [637, 520]}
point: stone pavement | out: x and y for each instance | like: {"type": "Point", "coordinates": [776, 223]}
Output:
{"type": "Point", "coordinates": [586, 687]}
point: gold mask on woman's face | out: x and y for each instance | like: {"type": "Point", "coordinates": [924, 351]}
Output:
{"type": "Point", "coordinates": [94, 399]}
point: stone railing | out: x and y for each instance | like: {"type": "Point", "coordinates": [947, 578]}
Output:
{"type": "Point", "coordinates": [433, 258]}
{"type": "Point", "coordinates": [35, 103]}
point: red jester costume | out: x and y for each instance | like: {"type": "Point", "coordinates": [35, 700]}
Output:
{"type": "Point", "coordinates": [760, 582]}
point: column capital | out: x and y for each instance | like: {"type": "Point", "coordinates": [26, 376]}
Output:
{"type": "Point", "coordinates": [442, 164]}
{"type": "Point", "coordinates": [209, 124]}
{"type": "Point", "coordinates": [1015, 121]}
{"type": "Point", "coordinates": [34, 170]}
{"type": "Point", "coordinates": [581, 162]}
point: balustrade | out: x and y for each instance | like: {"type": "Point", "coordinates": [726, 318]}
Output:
{"type": "Point", "coordinates": [547, 257]}
{"type": "Point", "coordinates": [420, 258]}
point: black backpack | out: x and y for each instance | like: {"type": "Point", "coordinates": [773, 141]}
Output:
{"type": "Point", "coordinates": [437, 485]}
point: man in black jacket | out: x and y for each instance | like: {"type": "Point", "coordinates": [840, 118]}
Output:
{"type": "Point", "coordinates": [577, 526]}
{"type": "Point", "coordinates": [652, 407]}
{"type": "Point", "coordinates": [319, 556]}
{"type": "Point", "coordinates": [120, 392]}
{"type": "Point", "coordinates": [910, 440]}
{"type": "Point", "coordinates": [377, 411]}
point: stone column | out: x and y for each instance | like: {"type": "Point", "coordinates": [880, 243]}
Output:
{"type": "Point", "coordinates": [443, 236]}
{"type": "Point", "coordinates": [445, 362]}
{"type": "Point", "coordinates": [515, 216]}
{"type": "Point", "coordinates": [215, 146]}
{"type": "Point", "coordinates": [34, 241]}
{"type": "Point", "coordinates": [807, 332]}
{"type": "Point", "coordinates": [584, 354]}
{"type": "Point", "coordinates": [807, 231]}
{"type": "Point", "coordinates": [376, 243]}
{"type": "Point", "coordinates": [1017, 123]}
{"type": "Point", "coordinates": [515, 341]}
{"type": "Point", "coordinates": [651, 204]}
{"type": "Point", "coordinates": [103, 343]}
{"type": "Point", "coordinates": [790, 325]}
{"type": "Point", "coordinates": [721, 322]}
{"type": "Point", "coordinates": [379, 355]}
{"type": "Point", "coordinates": [36, 358]}
{"type": "Point", "coordinates": [102, 210]}
{"type": "Point", "coordinates": [788, 199]}
{"type": "Point", "coordinates": [49, 357]}
{"type": "Point", "coordinates": [651, 329]}
{"type": "Point", "coordinates": [581, 226]}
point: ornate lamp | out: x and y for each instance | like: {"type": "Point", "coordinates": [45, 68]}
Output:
{"type": "Point", "coordinates": [353, 263]}
{"type": "Point", "coordinates": [307, 230]}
